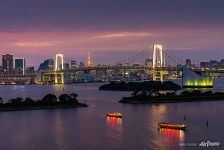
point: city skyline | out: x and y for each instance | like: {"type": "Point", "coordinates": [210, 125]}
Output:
{"type": "Point", "coordinates": [72, 63]}
{"type": "Point", "coordinates": [110, 30]}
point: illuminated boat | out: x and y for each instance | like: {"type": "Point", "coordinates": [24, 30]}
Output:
{"type": "Point", "coordinates": [114, 114]}
{"type": "Point", "coordinates": [178, 126]}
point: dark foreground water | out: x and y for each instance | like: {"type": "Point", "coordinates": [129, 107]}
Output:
{"type": "Point", "coordinates": [89, 129]}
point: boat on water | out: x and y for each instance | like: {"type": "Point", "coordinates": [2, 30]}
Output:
{"type": "Point", "coordinates": [178, 126]}
{"type": "Point", "coordinates": [114, 114]}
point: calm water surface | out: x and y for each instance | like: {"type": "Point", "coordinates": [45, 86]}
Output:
{"type": "Point", "coordinates": [89, 129]}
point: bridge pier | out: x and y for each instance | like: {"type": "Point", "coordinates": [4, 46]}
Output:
{"type": "Point", "coordinates": [158, 75]}
{"type": "Point", "coordinates": [54, 77]}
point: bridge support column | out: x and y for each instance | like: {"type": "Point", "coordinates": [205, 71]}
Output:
{"type": "Point", "coordinates": [62, 78]}
{"type": "Point", "coordinates": [158, 65]}
{"type": "Point", "coordinates": [55, 78]}
{"type": "Point", "coordinates": [158, 75]}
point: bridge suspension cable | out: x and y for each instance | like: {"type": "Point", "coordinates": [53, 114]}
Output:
{"type": "Point", "coordinates": [173, 58]}
{"type": "Point", "coordinates": [170, 59]}
{"type": "Point", "coordinates": [132, 59]}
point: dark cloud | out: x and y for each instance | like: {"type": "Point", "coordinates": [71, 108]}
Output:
{"type": "Point", "coordinates": [85, 15]}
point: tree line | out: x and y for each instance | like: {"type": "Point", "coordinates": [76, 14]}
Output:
{"type": "Point", "coordinates": [49, 99]}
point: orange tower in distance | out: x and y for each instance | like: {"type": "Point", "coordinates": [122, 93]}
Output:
{"type": "Point", "coordinates": [89, 60]}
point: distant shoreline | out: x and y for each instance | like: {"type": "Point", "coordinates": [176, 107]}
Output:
{"type": "Point", "coordinates": [140, 86]}
{"type": "Point", "coordinates": [167, 101]}
{"type": "Point", "coordinates": [38, 107]}
{"type": "Point", "coordinates": [185, 96]}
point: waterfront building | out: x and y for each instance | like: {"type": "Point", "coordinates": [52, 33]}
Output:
{"type": "Point", "coordinates": [204, 64]}
{"type": "Point", "coordinates": [7, 64]}
{"type": "Point", "coordinates": [213, 64]}
{"type": "Point", "coordinates": [87, 77]}
{"type": "Point", "coordinates": [30, 70]}
{"type": "Point", "coordinates": [191, 79]}
{"type": "Point", "coordinates": [19, 66]}
{"type": "Point", "coordinates": [47, 65]}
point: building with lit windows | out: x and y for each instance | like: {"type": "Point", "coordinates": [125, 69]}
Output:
{"type": "Point", "coordinates": [73, 64]}
{"type": "Point", "coordinates": [7, 64]}
{"type": "Point", "coordinates": [191, 79]}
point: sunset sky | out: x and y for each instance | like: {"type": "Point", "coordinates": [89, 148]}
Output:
{"type": "Point", "coordinates": [110, 29]}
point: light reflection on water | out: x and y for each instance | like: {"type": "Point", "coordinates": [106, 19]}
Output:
{"type": "Point", "coordinates": [114, 121]}
{"type": "Point", "coordinates": [88, 128]}
{"type": "Point", "coordinates": [172, 137]}
{"type": "Point", "coordinates": [114, 131]}
{"type": "Point", "coordinates": [59, 130]}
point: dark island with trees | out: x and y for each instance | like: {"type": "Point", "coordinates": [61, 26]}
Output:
{"type": "Point", "coordinates": [140, 86]}
{"type": "Point", "coordinates": [49, 101]}
{"type": "Point", "coordinates": [149, 97]}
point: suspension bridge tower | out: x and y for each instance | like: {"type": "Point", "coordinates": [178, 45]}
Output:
{"type": "Point", "coordinates": [159, 64]}
{"type": "Point", "coordinates": [59, 62]}
{"type": "Point", "coordinates": [56, 75]}
{"type": "Point", "coordinates": [59, 67]}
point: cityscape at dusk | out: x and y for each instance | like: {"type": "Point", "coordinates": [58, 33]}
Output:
{"type": "Point", "coordinates": [114, 75]}
{"type": "Point", "coordinates": [38, 29]}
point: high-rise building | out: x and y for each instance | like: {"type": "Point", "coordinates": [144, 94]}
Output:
{"type": "Point", "coordinates": [66, 66]}
{"type": "Point", "coordinates": [7, 64]}
{"type": "Point", "coordinates": [73, 64]}
{"type": "Point", "coordinates": [19, 66]}
{"type": "Point", "coordinates": [188, 62]}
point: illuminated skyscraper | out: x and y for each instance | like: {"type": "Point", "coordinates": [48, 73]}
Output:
{"type": "Point", "coordinates": [7, 64]}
